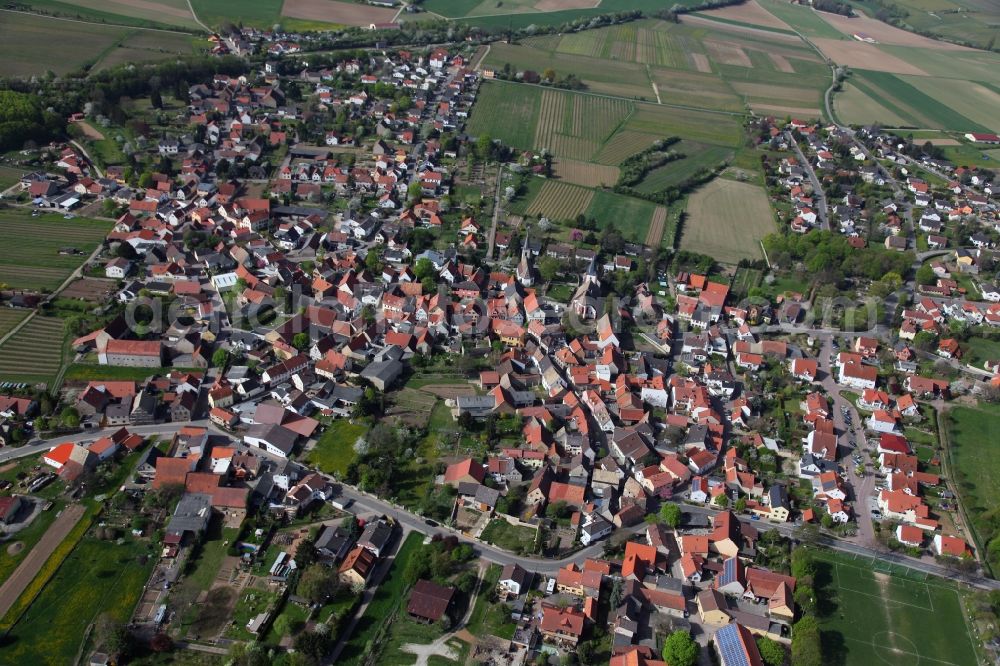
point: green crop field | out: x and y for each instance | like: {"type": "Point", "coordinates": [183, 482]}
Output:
{"type": "Point", "coordinates": [30, 258]}
{"type": "Point", "coordinates": [506, 112]}
{"type": "Point", "coordinates": [9, 176]}
{"type": "Point", "coordinates": [147, 46]}
{"type": "Point", "coordinates": [631, 217]}
{"type": "Point", "coordinates": [802, 19]}
{"type": "Point", "coordinates": [909, 103]}
{"type": "Point", "coordinates": [696, 156]}
{"type": "Point", "coordinates": [27, 44]}
{"type": "Point", "coordinates": [35, 353]}
{"type": "Point", "coordinates": [259, 13]}
{"type": "Point", "coordinates": [522, 13]}
{"type": "Point", "coordinates": [874, 613]}
{"type": "Point", "coordinates": [97, 577]}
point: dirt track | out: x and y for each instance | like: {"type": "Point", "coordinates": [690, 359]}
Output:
{"type": "Point", "coordinates": [39, 555]}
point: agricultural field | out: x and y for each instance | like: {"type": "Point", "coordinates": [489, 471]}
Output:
{"type": "Point", "coordinates": [587, 174]}
{"type": "Point", "coordinates": [258, 13]}
{"type": "Point", "coordinates": [802, 19]}
{"type": "Point", "coordinates": [97, 577]}
{"type": "Point", "coordinates": [147, 46]}
{"type": "Point", "coordinates": [26, 48]}
{"type": "Point", "coordinates": [337, 12]}
{"type": "Point", "coordinates": [748, 13]}
{"type": "Point", "coordinates": [726, 220]}
{"type": "Point", "coordinates": [971, 22]}
{"type": "Point", "coordinates": [576, 126]}
{"type": "Point", "coordinates": [853, 106]}
{"type": "Point", "coordinates": [631, 217]}
{"type": "Point", "coordinates": [35, 353]}
{"type": "Point", "coordinates": [696, 156]}
{"type": "Point", "coordinates": [901, 97]}
{"type": "Point", "coordinates": [147, 13]}
{"type": "Point", "coordinates": [521, 13]}
{"type": "Point", "coordinates": [11, 317]}
{"type": "Point", "coordinates": [31, 259]}
{"type": "Point", "coordinates": [873, 612]}
{"type": "Point", "coordinates": [560, 201]}
{"type": "Point", "coordinates": [506, 113]}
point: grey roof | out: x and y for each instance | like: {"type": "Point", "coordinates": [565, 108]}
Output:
{"type": "Point", "coordinates": [191, 515]}
{"type": "Point", "coordinates": [277, 436]}
{"type": "Point", "coordinates": [386, 371]}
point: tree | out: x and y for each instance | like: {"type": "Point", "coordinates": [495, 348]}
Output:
{"type": "Point", "coordinates": [220, 357]}
{"type": "Point", "coordinates": [741, 505]}
{"type": "Point", "coordinates": [549, 74]}
{"type": "Point", "coordinates": [826, 521]}
{"type": "Point", "coordinates": [722, 501]}
{"type": "Point", "coordinates": [161, 642]}
{"type": "Point", "coordinates": [670, 514]}
{"type": "Point", "coordinates": [313, 645]}
{"type": "Point", "coordinates": [548, 268]}
{"type": "Point", "coordinates": [423, 269]}
{"type": "Point", "coordinates": [317, 583]}
{"type": "Point", "coordinates": [111, 635]}
{"type": "Point", "coordinates": [300, 341]}
{"type": "Point", "coordinates": [771, 651]}
{"type": "Point", "coordinates": [155, 100]}
{"type": "Point", "coordinates": [925, 275]}
{"type": "Point", "coordinates": [70, 417]}
{"type": "Point", "coordinates": [680, 649]}
{"type": "Point", "coordinates": [806, 648]}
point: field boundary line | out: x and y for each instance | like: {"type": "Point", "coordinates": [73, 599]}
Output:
{"type": "Point", "coordinates": [112, 25]}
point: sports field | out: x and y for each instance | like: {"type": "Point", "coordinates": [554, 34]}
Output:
{"type": "Point", "coordinates": [879, 613]}
{"type": "Point", "coordinates": [726, 220]}
{"type": "Point", "coordinates": [30, 258]}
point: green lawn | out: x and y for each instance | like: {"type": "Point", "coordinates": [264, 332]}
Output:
{"type": "Point", "coordinates": [871, 615]}
{"type": "Point", "coordinates": [97, 577]}
{"type": "Point", "coordinates": [389, 594]}
{"type": "Point", "coordinates": [9, 176]}
{"type": "Point", "coordinates": [509, 537]}
{"type": "Point", "coordinates": [252, 602]}
{"type": "Point", "coordinates": [978, 350]}
{"type": "Point", "coordinates": [974, 462]}
{"type": "Point", "coordinates": [335, 449]}
{"type": "Point", "coordinates": [213, 550]}
{"type": "Point", "coordinates": [403, 631]}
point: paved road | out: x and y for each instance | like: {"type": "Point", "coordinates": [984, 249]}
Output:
{"type": "Point", "coordinates": [819, 196]}
{"type": "Point", "coordinates": [40, 446]}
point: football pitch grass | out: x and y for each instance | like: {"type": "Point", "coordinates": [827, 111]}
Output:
{"type": "Point", "coordinates": [874, 612]}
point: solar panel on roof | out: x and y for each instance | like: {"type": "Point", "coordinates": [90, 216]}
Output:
{"type": "Point", "coordinates": [731, 647]}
